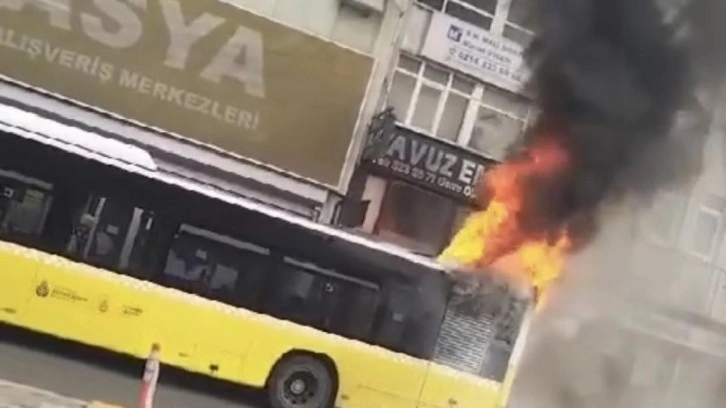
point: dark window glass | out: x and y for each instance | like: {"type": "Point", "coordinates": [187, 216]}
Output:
{"type": "Point", "coordinates": [470, 16]}
{"type": "Point", "coordinates": [392, 329]}
{"type": "Point", "coordinates": [103, 232]}
{"type": "Point", "coordinates": [24, 207]}
{"type": "Point", "coordinates": [521, 37]}
{"type": "Point", "coordinates": [489, 6]}
{"type": "Point", "coordinates": [307, 294]}
{"type": "Point", "coordinates": [402, 211]}
{"type": "Point", "coordinates": [522, 13]}
{"type": "Point", "coordinates": [217, 267]}
{"type": "Point", "coordinates": [435, 4]}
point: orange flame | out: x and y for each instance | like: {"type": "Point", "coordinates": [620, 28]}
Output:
{"type": "Point", "coordinates": [489, 235]}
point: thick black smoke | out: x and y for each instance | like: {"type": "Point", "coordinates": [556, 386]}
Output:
{"type": "Point", "coordinates": [623, 86]}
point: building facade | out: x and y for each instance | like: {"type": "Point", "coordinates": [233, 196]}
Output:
{"type": "Point", "coordinates": [667, 258]}
{"type": "Point", "coordinates": [268, 99]}
{"type": "Point", "coordinates": [456, 102]}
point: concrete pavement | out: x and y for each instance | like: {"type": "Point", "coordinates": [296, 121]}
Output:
{"type": "Point", "coordinates": [14, 395]}
{"type": "Point", "coordinates": [88, 375]}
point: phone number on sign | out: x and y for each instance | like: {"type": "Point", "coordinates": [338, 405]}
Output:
{"type": "Point", "coordinates": [427, 177]}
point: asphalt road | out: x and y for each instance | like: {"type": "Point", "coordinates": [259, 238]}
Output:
{"type": "Point", "coordinates": [86, 374]}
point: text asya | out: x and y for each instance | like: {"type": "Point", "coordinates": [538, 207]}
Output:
{"type": "Point", "coordinates": [118, 24]}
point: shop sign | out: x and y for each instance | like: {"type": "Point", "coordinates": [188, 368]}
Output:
{"type": "Point", "coordinates": [201, 69]}
{"type": "Point", "coordinates": [425, 161]}
{"type": "Point", "coordinates": [477, 52]}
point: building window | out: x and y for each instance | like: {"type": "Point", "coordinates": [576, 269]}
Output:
{"type": "Point", "coordinates": [500, 121]}
{"type": "Point", "coordinates": [453, 107]}
{"type": "Point", "coordinates": [660, 224]}
{"type": "Point", "coordinates": [513, 19]}
{"type": "Point", "coordinates": [692, 285]}
{"type": "Point", "coordinates": [429, 98]}
{"type": "Point", "coordinates": [477, 12]}
{"type": "Point", "coordinates": [718, 305]}
{"type": "Point", "coordinates": [414, 218]}
{"type": "Point", "coordinates": [521, 21]}
{"type": "Point", "coordinates": [217, 267]}
{"type": "Point", "coordinates": [705, 226]}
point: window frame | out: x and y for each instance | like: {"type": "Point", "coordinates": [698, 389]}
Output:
{"type": "Point", "coordinates": [213, 241]}
{"type": "Point", "coordinates": [28, 183]}
{"type": "Point", "coordinates": [420, 80]}
{"type": "Point", "coordinates": [508, 23]}
{"type": "Point", "coordinates": [679, 203]}
{"type": "Point", "coordinates": [500, 17]}
{"type": "Point", "coordinates": [697, 207]}
{"type": "Point", "coordinates": [475, 101]}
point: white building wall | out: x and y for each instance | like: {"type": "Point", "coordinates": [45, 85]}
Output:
{"type": "Point", "coordinates": [681, 251]}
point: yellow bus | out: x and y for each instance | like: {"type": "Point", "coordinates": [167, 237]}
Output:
{"type": "Point", "coordinates": [120, 255]}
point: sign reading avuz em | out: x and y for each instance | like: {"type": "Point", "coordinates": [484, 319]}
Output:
{"type": "Point", "coordinates": [425, 161]}
{"type": "Point", "coordinates": [475, 51]}
{"type": "Point", "coordinates": [202, 69]}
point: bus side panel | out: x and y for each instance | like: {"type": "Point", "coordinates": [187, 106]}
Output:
{"type": "Point", "coordinates": [80, 303]}
{"type": "Point", "coordinates": [378, 378]}
{"type": "Point", "coordinates": [17, 274]}
{"type": "Point", "coordinates": [125, 315]}
{"type": "Point", "coordinates": [446, 387]}
{"type": "Point", "coordinates": [200, 335]}
{"type": "Point", "coordinates": [103, 309]}
{"type": "Point", "coordinates": [369, 377]}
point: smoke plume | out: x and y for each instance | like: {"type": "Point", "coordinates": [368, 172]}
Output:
{"type": "Point", "coordinates": [601, 340]}
{"type": "Point", "coordinates": [624, 87]}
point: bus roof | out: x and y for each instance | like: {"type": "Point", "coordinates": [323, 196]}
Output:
{"type": "Point", "coordinates": [133, 159]}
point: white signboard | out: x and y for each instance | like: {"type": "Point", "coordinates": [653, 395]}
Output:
{"type": "Point", "coordinates": [477, 52]}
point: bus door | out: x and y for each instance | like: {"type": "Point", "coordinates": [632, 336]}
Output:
{"type": "Point", "coordinates": [104, 232]}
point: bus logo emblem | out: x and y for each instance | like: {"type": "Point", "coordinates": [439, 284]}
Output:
{"type": "Point", "coordinates": [42, 290]}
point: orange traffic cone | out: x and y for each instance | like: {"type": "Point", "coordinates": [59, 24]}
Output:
{"type": "Point", "coordinates": [151, 377]}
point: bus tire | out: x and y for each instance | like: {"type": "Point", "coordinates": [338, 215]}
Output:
{"type": "Point", "coordinates": [300, 381]}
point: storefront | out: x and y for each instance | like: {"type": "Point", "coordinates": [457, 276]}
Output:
{"type": "Point", "coordinates": [457, 100]}
{"type": "Point", "coordinates": [210, 90]}
{"type": "Point", "coordinates": [412, 189]}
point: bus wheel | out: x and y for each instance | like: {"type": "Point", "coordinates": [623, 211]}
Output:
{"type": "Point", "coordinates": [300, 381]}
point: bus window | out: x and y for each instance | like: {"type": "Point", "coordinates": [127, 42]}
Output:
{"type": "Point", "coordinates": [217, 267]}
{"type": "Point", "coordinates": [395, 317]}
{"type": "Point", "coordinates": [355, 319]}
{"type": "Point", "coordinates": [307, 294]}
{"type": "Point", "coordinates": [104, 232]}
{"type": "Point", "coordinates": [138, 263]}
{"type": "Point", "coordinates": [24, 205]}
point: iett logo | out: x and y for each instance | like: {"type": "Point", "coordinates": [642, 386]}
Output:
{"type": "Point", "coordinates": [42, 290]}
